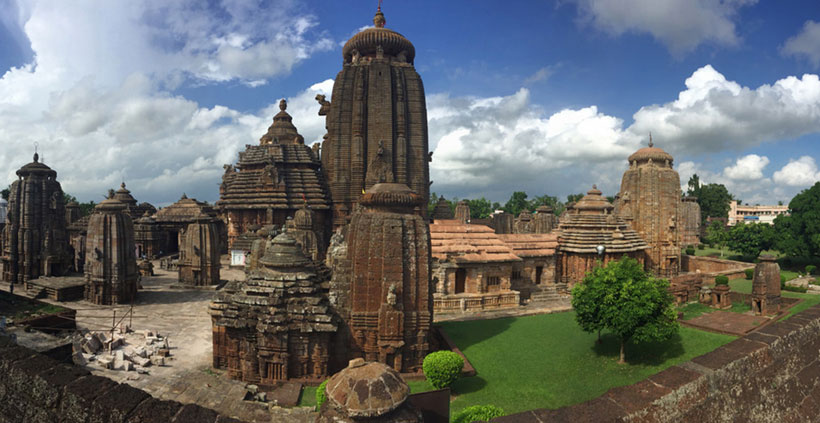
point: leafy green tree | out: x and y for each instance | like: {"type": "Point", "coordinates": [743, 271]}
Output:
{"type": "Point", "coordinates": [798, 234]}
{"type": "Point", "coordinates": [547, 200]}
{"type": "Point", "coordinates": [714, 201]}
{"type": "Point", "coordinates": [636, 307]}
{"type": "Point", "coordinates": [716, 235]}
{"type": "Point", "coordinates": [67, 198]}
{"type": "Point", "coordinates": [516, 203]}
{"type": "Point", "coordinates": [5, 193]}
{"type": "Point", "coordinates": [694, 186]}
{"type": "Point", "coordinates": [587, 301]}
{"type": "Point", "coordinates": [573, 198]}
{"type": "Point", "coordinates": [481, 208]}
{"type": "Point", "coordinates": [750, 239]}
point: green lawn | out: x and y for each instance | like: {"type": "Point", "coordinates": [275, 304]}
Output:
{"type": "Point", "coordinates": [693, 310]}
{"type": "Point", "coordinates": [727, 253]}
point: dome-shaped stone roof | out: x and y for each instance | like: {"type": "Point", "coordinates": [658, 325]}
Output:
{"type": "Point", "coordinates": [368, 41]}
{"type": "Point", "coordinates": [125, 196]}
{"type": "Point", "coordinates": [284, 252]}
{"type": "Point", "coordinates": [654, 153]}
{"type": "Point", "coordinates": [303, 218]}
{"type": "Point", "coordinates": [543, 209]}
{"type": "Point", "coordinates": [390, 195]}
{"type": "Point", "coordinates": [593, 203]}
{"type": "Point", "coordinates": [282, 130]}
{"type": "Point", "coordinates": [367, 389]}
{"type": "Point", "coordinates": [35, 167]}
{"type": "Point", "coordinates": [110, 205]}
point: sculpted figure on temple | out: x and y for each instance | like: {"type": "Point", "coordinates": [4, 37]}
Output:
{"type": "Point", "coordinates": [325, 105]}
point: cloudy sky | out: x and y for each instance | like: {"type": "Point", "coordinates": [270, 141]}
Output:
{"type": "Point", "coordinates": [545, 96]}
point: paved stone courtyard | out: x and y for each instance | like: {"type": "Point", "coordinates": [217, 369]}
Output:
{"type": "Point", "coordinates": [728, 322]}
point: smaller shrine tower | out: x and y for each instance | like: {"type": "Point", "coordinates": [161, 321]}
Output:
{"type": "Point", "coordinates": [111, 273]}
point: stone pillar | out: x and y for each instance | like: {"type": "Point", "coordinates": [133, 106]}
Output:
{"type": "Point", "coordinates": [111, 273]}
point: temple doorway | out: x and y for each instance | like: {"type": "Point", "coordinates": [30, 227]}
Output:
{"type": "Point", "coordinates": [461, 277]}
{"type": "Point", "coordinates": [538, 271]}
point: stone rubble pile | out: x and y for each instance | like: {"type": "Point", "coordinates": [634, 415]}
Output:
{"type": "Point", "coordinates": [126, 350]}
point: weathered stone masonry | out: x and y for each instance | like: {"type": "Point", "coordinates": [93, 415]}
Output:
{"type": "Point", "coordinates": [771, 375]}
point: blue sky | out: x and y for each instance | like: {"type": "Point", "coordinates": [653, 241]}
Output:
{"type": "Point", "coordinates": [548, 97]}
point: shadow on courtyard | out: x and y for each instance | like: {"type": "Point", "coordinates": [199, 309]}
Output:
{"type": "Point", "coordinates": [471, 332]}
{"type": "Point", "coordinates": [647, 353]}
{"type": "Point", "coordinates": [147, 296]}
{"type": "Point", "coordinates": [468, 385]}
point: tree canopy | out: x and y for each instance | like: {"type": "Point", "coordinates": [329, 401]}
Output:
{"type": "Point", "coordinates": [627, 301]}
{"type": "Point", "coordinates": [798, 234]}
{"type": "Point", "coordinates": [517, 203]}
{"type": "Point", "coordinates": [713, 199]}
{"type": "Point", "coordinates": [750, 239]}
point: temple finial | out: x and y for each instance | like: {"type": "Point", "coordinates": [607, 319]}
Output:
{"type": "Point", "coordinates": [36, 156]}
{"type": "Point", "coordinates": [378, 20]}
{"type": "Point", "coordinates": [650, 140]}
{"type": "Point", "coordinates": [283, 104]}
{"type": "Point", "coordinates": [594, 186]}
{"type": "Point", "coordinates": [122, 185]}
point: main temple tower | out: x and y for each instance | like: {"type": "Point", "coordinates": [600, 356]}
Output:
{"type": "Point", "coordinates": [378, 110]}
{"type": "Point", "coordinates": [650, 201]}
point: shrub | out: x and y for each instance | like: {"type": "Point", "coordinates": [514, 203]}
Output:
{"type": "Point", "coordinates": [690, 251]}
{"type": "Point", "coordinates": [701, 247]}
{"type": "Point", "coordinates": [320, 394]}
{"type": "Point", "coordinates": [477, 413]}
{"type": "Point", "coordinates": [721, 280]}
{"type": "Point", "coordinates": [811, 269]}
{"type": "Point", "coordinates": [750, 273]}
{"type": "Point", "coordinates": [782, 282]}
{"type": "Point", "coordinates": [442, 368]}
{"type": "Point", "coordinates": [801, 289]}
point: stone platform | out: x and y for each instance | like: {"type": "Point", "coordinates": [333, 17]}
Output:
{"type": "Point", "coordinates": [65, 288]}
{"type": "Point", "coordinates": [727, 322]}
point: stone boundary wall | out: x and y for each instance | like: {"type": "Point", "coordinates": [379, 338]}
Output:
{"type": "Point", "coordinates": [770, 375]}
{"type": "Point", "coordinates": [711, 267]}
{"type": "Point", "coordinates": [36, 388]}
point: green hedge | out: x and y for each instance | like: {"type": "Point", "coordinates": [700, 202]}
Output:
{"type": "Point", "coordinates": [690, 251]}
{"type": "Point", "coordinates": [811, 269]}
{"type": "Point", "coordinates": [750, 273]}
{"type": "Point", "coordinates": [442, 368]}
{"type": "Point", "coordinates": [478, 413]}
{"type": "Point", "coordinates": [320, 394]}
{"type": "Point", "coordinates": [721, 280]}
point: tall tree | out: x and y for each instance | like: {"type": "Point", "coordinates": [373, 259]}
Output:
{"type": "Point", "coordinates": [716, 234]}
{"type": "Point", "coordinates": [750, 239]}
{"type": "Point", "coordinates": [573, 198]}
{"type": "Point", "coordinates": [694, 186]}
{"type": "Point", "coordinates": [516, 203]}
{"type": "Point", "coordinates": [798, 234]}
{"type": "Point", "coordinates": [634, 305]}
{"type": "Point", "coordinates": [481, 208]}
{"type": "Point", "coordinates": [714, 201]}
{"type": "Point", "coordinates": [5, 193]}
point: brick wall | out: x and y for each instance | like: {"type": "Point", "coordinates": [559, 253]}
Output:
{"type": "Point", "coordinates": [36, 388]}
{"type": "Point", "coordinates": [771, 375]}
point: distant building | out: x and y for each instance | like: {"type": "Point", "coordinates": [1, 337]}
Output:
{"type": "Point", "coordinates": [754, 214]}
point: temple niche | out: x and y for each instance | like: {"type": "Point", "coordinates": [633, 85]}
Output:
{"type": "Point", "coordinates": [389, 308]}
{"type": "Point", "coordinates": [199, 252]}
{"type": "Point", "coordinates": [650, 201]}
{"type": "Point", "coordinates": [276, 324]}
{"type": "Point", "coordinates": [111, 273]}
{"type": "Point", "coordinates": [591, 224]}
{"type": "Point", "coordinates": [272, 181]}
{"type": "Point", "coordinates": [35, 240]}
{"type": "Point", "coordinates": [690, 221]}
{"type": "Point", "coordinates": [378, 105]}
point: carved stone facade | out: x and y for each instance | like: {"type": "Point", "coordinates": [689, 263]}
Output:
{"type": "Point", "coordinates": [690, 221]}
{"type": "Point", "coordinates": [472, 268]}
{"type": "Point", "coordinates": [544, 220]}
{"type": "Point", "coordinates": [378, 106]}
{"type": "Point", "coordinates": [536, 270]}
{"type": "Point", "coordinates": [276, 325]}
{"type": "Point", "coordinates": [650, 201]}
{"type": "Point", "coordinates": [171, 221]}
{"type": "Point", "coordinates": [588, 225]}
{"type": "Point", "coordinates": [147, 237]}
{"type": "Point", "coordinates": [111, 273]}
{"type": "Point", "coordinates": [766, 286]}
{"type": "Point", "coordinates": [272, 181]}
{"type": "Point", "coordinates": [390, 303]}
{"type": "Point", "coordinates": [199, 253]}
{"type": "Point", "coordinates": [35, 240]}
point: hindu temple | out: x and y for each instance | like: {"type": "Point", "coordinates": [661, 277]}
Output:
{"type": "Point", "coordinates": [378, 104]}
{"type": "Point", "coordinates": [35, 241]}
{"type": "Point", "coordinates": [273, 180]}
{"type": "Point", "coordinates": [111, 273]}
{"type": "Point", "coordinates": [592, 233]}
{"type": "Point", "coordinates": [649, 201]}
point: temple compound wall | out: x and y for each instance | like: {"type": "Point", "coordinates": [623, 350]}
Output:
{"type": "Point", "coordinates": [35, 240]}
{"type": "Point", "coordinates": [378, 106]}
{"type": "Point", "coordinates": [770, 375]}
{"type": "Point", "coordinates": [650, 202]}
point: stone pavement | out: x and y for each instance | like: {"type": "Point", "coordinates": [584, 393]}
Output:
{"type": "Point", "coordinates": [727, 322]}
{"type": "Point", "coordinates": [182, 316]}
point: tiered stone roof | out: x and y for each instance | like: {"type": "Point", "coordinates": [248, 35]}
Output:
{"type": "Point", "coordinates": [465, 243]}
{"type": "Point", "coordinates": [135, 210]}
{"type": "Point", "coordinates": [592, 223]}
{"type": "Point", "coordinates": [185, 210]}
{"type": "Point", "coordinates": [280, 173]}
{"type": "Point", "coordinates": [531, 245]}
{"type": "Point", "coordinates": [442, 210]}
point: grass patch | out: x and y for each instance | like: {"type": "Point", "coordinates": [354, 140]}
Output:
{"type": "Point", "coordinates": [308, 397]}
{"type": "Point", "coordinates": [789, 274]}
{"type": "Point", "coordinates": [547, 361]}
{"type": "Point", "coordinates": [692, 310]}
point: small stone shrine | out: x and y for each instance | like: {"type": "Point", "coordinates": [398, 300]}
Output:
{"type": "Point", "coordinates": [35, 240]}
{"type": "Point", "coordinates": [275, 325]}
{"type": "Point", "coordinates": [199, 253]}
{"type": "Point", "coordinates": [544, 220]}
{"type": "Point", "coordinates": [367, 392]}
{"type": "Point", "coordinates": [766, 286]}
{"type": "Point", "coordinates": [442, 210]}
{"type": "Point", "coordinates": [503, 223]}
{"type": "Point", "coordinates": [111, 273]}
{"type": "Point", "coordinates": [523, 223]}
{"type": "Point", "coordinates": [462, 213]}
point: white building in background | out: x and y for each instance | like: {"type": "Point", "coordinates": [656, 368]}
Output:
{"type": "Point", "coordinates": [754, 214]}
{"type": "Point", "coordinates": [4, 206]}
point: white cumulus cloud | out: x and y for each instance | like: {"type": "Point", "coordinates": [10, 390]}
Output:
{"type": "Point", "coordinates": [806, 43]}
{"type": "Point", "coordinates": [802, 172]}
{"type": "Point", "coordinates": [749, 167]}
{"type": "Point", "coordinates": [681, 25]}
